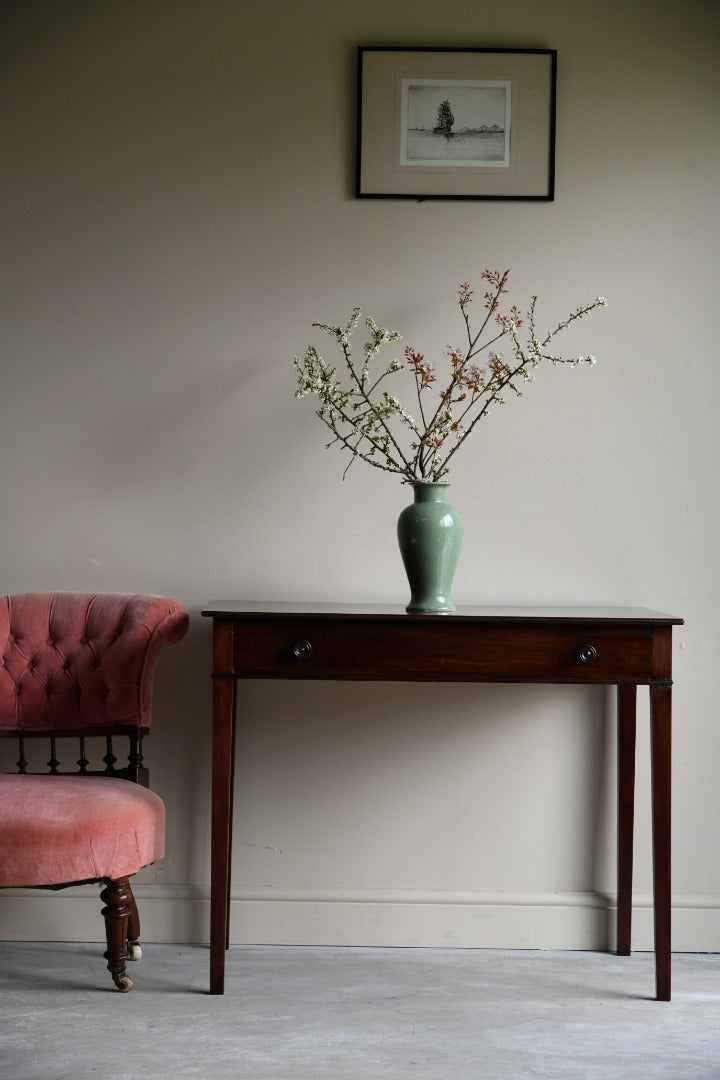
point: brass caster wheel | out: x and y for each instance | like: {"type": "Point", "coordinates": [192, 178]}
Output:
{"type": "Point", "coordinates": [134, 951]}
{"type": "Point", "coordinates": [123, 982]}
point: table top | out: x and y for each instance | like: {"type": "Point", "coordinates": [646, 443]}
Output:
{"type": "Point", "coordinates": [230, 608]}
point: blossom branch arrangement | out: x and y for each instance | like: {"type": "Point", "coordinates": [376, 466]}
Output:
{"type": "Point", "coordinates": [368, 421]}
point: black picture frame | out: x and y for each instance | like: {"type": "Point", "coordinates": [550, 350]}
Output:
{"type": "Point", "coordinates": [497, 141]}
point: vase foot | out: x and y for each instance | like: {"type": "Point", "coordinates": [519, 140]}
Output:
{"type": "Point", "coordinates": [411, 610]}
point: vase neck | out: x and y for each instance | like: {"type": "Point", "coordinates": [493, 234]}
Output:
{"type": "Point", "coordinates": [430, 491]}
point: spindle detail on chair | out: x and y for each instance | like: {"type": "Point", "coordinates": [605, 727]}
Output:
{"type": "Point", "coordinates": [109, 758]}
{"type": "Point", "coordinates": [22, 761]}
{"type": "Point", "coordinates": [53, 762]}
{"type": "Point", "coordinates": [59, 752]}
{"type": "Point", "coordinates": [82, 761]}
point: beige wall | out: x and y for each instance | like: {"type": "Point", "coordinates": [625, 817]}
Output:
{"type": "Point", "coordinates": [177, 208]}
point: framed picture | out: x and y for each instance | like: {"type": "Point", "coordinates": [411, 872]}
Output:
{"type": "Point", "coordinates": [438, 123]}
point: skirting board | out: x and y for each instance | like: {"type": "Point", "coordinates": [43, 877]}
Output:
{"type": "Point", "coordinates": [403, 918]}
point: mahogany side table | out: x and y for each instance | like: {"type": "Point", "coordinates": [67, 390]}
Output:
{"type": "Point", "coordinates": [624, 647]}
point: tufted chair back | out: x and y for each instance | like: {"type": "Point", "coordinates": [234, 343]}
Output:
{"type": "Point", "coordinates": [71, 661]}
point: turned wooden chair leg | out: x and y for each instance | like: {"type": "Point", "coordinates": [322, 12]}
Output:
{"type": "Point", "coordinates": [133, 929]}
{"type": "Point", "coordinates": [118, 899]}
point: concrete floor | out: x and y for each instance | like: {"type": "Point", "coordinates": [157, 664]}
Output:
{"type": "Point", "coordinates": [356, 1014]}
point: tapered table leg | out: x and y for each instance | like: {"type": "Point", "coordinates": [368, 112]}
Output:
{"type": "Point", "coordinates": [231, 814]}
{"type": "Point", "coordinates": [626, 713]}
{"type": "Point", "coordinates": [661, 746]}
{"type": "Point", "coordinates": [220, 842]}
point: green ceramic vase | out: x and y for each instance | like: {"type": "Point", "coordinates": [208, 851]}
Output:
{"type": "Point", "coordinates": [430, 536]}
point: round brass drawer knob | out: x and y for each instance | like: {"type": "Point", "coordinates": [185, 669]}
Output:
{"type": "Point", "coordinates": [302, 650]}
{"type": "Point", "coordinates": [588, 654]}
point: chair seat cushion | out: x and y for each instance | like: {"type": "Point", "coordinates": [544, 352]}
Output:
{"type": "Point", "coordinates": [60, 829]}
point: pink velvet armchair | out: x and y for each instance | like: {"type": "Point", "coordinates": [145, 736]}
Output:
{"type": "Point", "coordinates": [80, 666]}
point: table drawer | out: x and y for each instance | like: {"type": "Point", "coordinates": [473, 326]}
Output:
{"type": "Point", "coordinates": [442, 648]}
